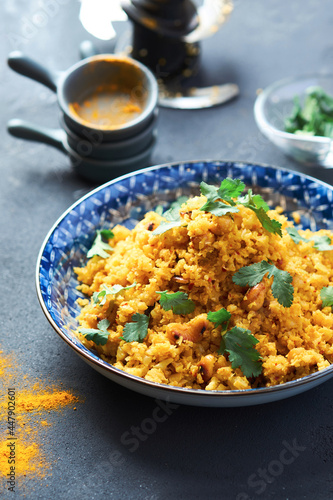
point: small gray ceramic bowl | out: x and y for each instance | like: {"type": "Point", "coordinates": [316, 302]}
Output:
{"type": "Point", "coordinates": [90, 145]}
{"type": "Point", "coordinates": [274, 105]}
{"type": "Point", "coordinates": [85, 78]}
{"type": "Point", "coordinates": [91, 169]}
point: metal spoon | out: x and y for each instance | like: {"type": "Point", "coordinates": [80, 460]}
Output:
{"type": "Point", "coordinates": [197, 98]}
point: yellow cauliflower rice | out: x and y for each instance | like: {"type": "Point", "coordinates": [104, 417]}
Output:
{"type": "Point", "coordinates": [199, 257]}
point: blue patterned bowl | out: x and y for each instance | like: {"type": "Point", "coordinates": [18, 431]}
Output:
{"type": "Point", "coordinates": [125, 200]}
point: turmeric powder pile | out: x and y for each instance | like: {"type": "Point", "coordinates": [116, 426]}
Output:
{"type": "Point", "coordinates": [25, 410]}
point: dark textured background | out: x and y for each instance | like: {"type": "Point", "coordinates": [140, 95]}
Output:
{"type": "Point", "coordinates": [195, 453]}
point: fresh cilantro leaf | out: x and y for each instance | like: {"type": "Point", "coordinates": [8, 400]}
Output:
{"type": "Point", "coordinates": [239, 344]}
{"type": "Point", "coordinates": [100, 247]}
{"type": "Point", "coordinates": [167, 225]}
{"type": "Point", "coordinates": [326, 295]}
{"type": "Point", "coordinates": [260, 202]}
{"type": "Point", "coordinates": [137, 330]}
{"type": "Point", "coordinates": [100, 297]}
{"type": "Point", "coordinates": [271, 225]}
{"type": "Point", "coordinates": [210, 191]}
{"type": "Point", "coordinates": [218, 208]}
{"type": "Point", "coordinates": [228, 189]}
{"type": "Point", "coordinates": [172, 217]}
{"type": "Point", "coordinates": [260, 207]}
{"type": "Point", "coordinates": [175, 207]}
{"type": "Point", "coordinates": [220, 317]}
{"type": "Point", "coordinates": [178, 302]}
{"type": "Point", "coordinates": [251, 275]}
{"type": "Point", "coordinates": [159, 209]}
{"type": "Point", "coordinates": [100, 335]}
{"type": "Point", "coordinates": [294, 235]}
{"type": "Point", "coordinates": [282, 288]}
{"type": "Point", "coordinates": [316, 116]}
{"type": "Point", "coordinates": [321, 243]}
{"type": "Point", "coordinates": [107, 234]}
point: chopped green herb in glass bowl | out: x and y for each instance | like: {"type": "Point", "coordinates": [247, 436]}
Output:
{"type": "Point", "coordinates": [296, 114]}
{"type": "Point", "coordinates": [315, 117]}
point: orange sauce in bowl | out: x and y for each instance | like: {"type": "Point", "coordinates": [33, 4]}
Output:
{"type": "Point", "coordinates": [108, 106]}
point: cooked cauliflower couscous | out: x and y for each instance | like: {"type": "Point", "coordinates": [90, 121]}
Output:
{"type": "Point", "coordinates": [219, 293]}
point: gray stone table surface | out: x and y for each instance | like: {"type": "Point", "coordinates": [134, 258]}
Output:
{"type": "Point", "coordinates": [281, 450]}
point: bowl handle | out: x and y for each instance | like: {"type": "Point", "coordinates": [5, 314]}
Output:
{"type": "Point", "coordinates": [30, 132]}
{"type": "Point", "coordinates": [32, 69]}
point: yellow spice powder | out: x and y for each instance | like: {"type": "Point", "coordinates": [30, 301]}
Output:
{"type": "Point", "coordinates": [20, 445]}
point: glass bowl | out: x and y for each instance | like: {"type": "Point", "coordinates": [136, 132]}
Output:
{"type": "Point", "coordinates": [275, 104]}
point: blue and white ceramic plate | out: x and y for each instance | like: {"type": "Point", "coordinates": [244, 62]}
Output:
{"type": "Point", "coordinates": [125, 200]}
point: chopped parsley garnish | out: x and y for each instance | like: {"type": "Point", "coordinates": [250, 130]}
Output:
{"type": "Point", "coordinates": [100, 297]}
{"type": "Point", "coordinates": [219, 318]}
{"type": "Point", "coordinates": [100, 246]}
{"type": "Point", "coordinates": [231, 189]}
{"type": "Point", "coordinates": [322, 243]}
{"type": "Point", "coordinates": [137, 330]}
{"type": "Point", "coordinates": [100, 335]}
{"type": "Point", "coordinates": [316, 116]}
{"type": "Point", "coordinates": [282, 288]}
{"type": "Point", "coordinates": [177, 301]}
{"type": "Point", "coordinates": [172, 216]}
{"type": "Point", "coordinates": [239, 344]}
{"type": "Point", "coordinates": [326, 295]}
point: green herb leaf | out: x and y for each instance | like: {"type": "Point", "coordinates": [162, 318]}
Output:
{"type": "Point", "coordinates": [219, 318]}
{"type": "Point", "coordinates": [229, 189]}
{"type": "Point", "coordinates": [316, 116]}
{"type": "Point", "coordinates": [218, 208]}
{"type": "Point", "coordinates": [259, 202]}
{"type": "Point", "coordinates": [137, 330]}
{"type": "Point", "coordinates": [166, 226]}
{"type": "Point", "coordinates": [271, 225]}
{"type": "Point", "coordinates": [100, 335]}
{"type": "Point", "coordinates": [326, 295]}
{"type": "Point", "coordinates": [239, 344]}
{"type": "Point", "coordinates": [294, 235]}
{"type": "Point", "coordinates": [159, 209]}
{"type": "Point", "coordinates": [173, 217]}
{"type": "Point", "coordinates": [251, 275]}
{"type": "Point", "coordinates": [100, 297]}
{"type": "Point", "coordinates": [321, 243]}
{"type": "Point", "coordinates": [100, 247]}
{"type": "Point", "coordinates": [175, 207]}
{"type": "Point", "coordinates": [178, 302]}
{"type": "Point", "coordinates": [260, 207]}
